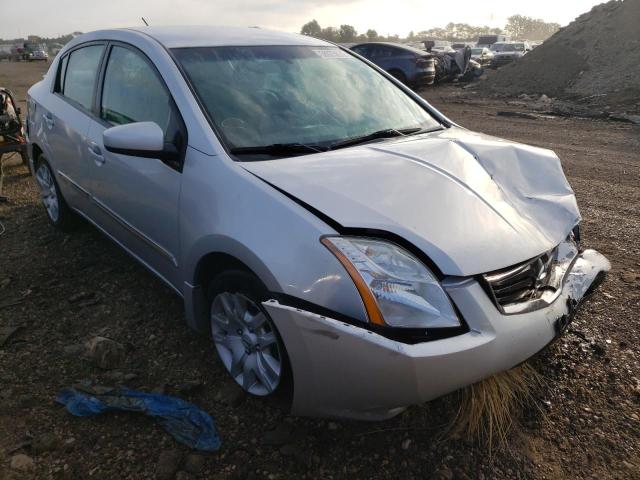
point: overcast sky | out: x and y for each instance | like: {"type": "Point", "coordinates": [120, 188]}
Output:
{"type": "Point", "coordinates": [56, 17]}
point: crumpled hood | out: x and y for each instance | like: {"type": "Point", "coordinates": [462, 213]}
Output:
{"type": "Point", "coordinates": [471, 202]}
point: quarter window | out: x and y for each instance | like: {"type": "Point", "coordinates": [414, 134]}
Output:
{"type": "Point", "coordinates": [133, 92]}
{"type": "Point", "coordinates": [78, 74]}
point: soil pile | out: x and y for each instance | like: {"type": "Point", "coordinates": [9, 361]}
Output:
{"type": "Point", "coordinates": [596, 56]}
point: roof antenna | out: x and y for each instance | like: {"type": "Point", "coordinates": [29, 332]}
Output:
{"type": "Point", "coordinates": [145, 22]}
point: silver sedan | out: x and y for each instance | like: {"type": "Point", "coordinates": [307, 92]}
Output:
{"type": "Point", "coordinates": [335, 236]}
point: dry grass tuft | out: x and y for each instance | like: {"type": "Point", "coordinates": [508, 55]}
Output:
{"type": "Point", "coordinates": [487, 409]}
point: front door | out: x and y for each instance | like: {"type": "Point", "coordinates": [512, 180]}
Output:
{"type": "Point", "coordinates": [136, 199]}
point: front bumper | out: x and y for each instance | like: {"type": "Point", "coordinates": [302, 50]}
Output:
{"type": "Point", "coordinates": [500, 61]}
{"type": "Point", "coordinates": [341, 370]}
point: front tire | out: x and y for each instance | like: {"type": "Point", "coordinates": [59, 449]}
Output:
{"type": "Point", "coordinates": [58, 212]}
{"type": "Point", "coordinates": [245, 337]}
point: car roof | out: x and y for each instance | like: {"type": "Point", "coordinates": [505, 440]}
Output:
{"type": "Point", "coordinates": [202, 35]}
{"type": "Point", "coordinates": [214, 36]}
{"type": "Point", "coordinates": [391, 44]}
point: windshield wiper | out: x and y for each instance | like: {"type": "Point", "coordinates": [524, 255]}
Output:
{"type": "Point", "coordinates": [277, 149]}
{"type": "Point", "coordinates": [386, 133]}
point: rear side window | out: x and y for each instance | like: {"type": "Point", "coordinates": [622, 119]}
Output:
{"type": "Point", "coordinates": [362, 50]}
{"type": "Point", "coordinates": [78, 74]}
{"type": "Point", "coordinates": [381, 52]}
{"type": "Point", "coordinates": [133, 92]}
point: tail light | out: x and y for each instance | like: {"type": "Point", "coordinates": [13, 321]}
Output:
{"type": "Point", "coordinates": [424, 62]}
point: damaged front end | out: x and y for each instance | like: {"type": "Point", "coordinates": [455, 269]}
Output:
{"type": "Point", "coordinates": [533, 284]}
{"type": "Point", "coordinates": [347, 370]}
{"type": "Point", "coordinates": [456, 66]}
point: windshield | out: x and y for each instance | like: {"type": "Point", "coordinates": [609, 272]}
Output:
{"type": "Point", "coordinates": [476, 51]}
{"type": "Point", "coordinates": [508, 47]}
{"type": "Point", "coordinates": [268, 95]}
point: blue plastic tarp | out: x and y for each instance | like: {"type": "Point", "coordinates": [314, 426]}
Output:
{"type": "Point", "coordinates": [184, 421]}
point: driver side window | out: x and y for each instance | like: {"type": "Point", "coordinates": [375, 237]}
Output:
{"type": "Point", "coordinates": [132, 92]}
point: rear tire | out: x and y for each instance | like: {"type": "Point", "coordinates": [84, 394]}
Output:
{"type": "Point", "coordinates": [58, 212]}
{"type": "Point", "coordinates": [398, 75]}
{"type": "Point", "coordinates": [246, 339]}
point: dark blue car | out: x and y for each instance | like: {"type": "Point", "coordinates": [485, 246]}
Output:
{"type": "Point", "coordinates": [411, 66]}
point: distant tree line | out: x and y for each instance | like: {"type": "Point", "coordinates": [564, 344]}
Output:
{"type": "Point", "coordinates": [342, 34]}
{"type": "Point", "coordinates": [518, 27]}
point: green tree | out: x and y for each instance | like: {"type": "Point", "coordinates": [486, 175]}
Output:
{"type": "Point", "coordinates": [372, 35]}
{"type": "Point", "coordinates": [330, 34]}
{"type": "Point", "coordinates": [347, 33]}
{"type": "Point", "coordinates": [311, 29]}
{"type": "Point", "coordinates": [527, 28]}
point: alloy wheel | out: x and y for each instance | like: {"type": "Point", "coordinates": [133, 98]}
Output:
{"type": "Point", "coordinates": [48, 192]}
{"type": "Point", "coordinates": [246, 342]}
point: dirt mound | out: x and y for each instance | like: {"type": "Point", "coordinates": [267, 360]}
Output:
{"type": "Point", "coordinates": [596, 56]}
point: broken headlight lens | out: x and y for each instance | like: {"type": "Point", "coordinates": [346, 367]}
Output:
{"type": "Point", "coordinates": [392, 281]}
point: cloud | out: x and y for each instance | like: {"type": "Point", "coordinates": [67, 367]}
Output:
{"type": "Point", "coordinates": [57, 17]}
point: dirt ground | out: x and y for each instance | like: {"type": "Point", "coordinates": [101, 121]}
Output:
{"type": "Point", "coordinates": [62, 290]}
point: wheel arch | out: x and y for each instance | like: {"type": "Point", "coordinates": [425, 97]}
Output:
{"type": "Point", "coordinates": [229, 255]}
{"type": "Point", "coordinates": [36, 151]}
{"type": "Point", "coordinates": [401, 75]}
{"type": "Point", "coordinates": [215, 263]}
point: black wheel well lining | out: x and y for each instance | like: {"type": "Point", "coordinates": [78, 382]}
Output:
{"type": "Point", "coordinates": [215, 263]}
{"type": "Point", "coordinates": [37, 151]}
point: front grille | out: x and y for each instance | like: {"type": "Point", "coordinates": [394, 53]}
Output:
{"type": "Point", "coordinates": [525, 281]}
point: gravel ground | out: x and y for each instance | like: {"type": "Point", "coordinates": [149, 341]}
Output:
{"type": "Point", "coordinates": [61, 290]}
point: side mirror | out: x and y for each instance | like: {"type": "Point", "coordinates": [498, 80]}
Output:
{"type": "Point", "coordinates": [140, 139]}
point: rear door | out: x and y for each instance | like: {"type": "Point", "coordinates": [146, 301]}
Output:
{"type": "Point", "coordinates": [136, 199]}
{"type": "Point", "coordinates": [65, 120]}
{"type": "Point", "coordinates": [391, 58]}
{"type": "Point", "coordinates": [382, 56]}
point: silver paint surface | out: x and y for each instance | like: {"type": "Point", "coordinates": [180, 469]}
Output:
{"type": "Point", "coordinates": [469, 202]}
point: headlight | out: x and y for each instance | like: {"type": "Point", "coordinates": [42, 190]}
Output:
{"type": "Point", "coordinates": [397, 289]}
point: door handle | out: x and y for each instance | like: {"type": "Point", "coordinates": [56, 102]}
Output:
{"type": "Point", "coordinates": [96, 153]}
{"type": "Point", "coordinates": [48, 120]}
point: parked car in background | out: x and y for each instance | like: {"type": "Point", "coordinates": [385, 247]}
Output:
{"type": "Point", "coordinates": [440, 45]}
{"type": "Point", "coordinates": [339, 241]}
{"type": "Point", "coordinates": [442, 49]}
{"type": "Point", "coordinates": [6, 52]}
{"type": "Point", "coordinates": [507, 52]}
{"type": "Point", "coordinates": [488, 40]}
{"type": "Point", "coordinates": [456, 65]}
{"type": "Point", "coordinates": [462, 45]}
{"type": "Point", "coordinates": [34, 51]}
{"type": "Point", "coordinates": [39, 55]}
{"type": "Point", "coordinates": [411, 66]}
{"type": "Point", "coordinates": [482, 55]}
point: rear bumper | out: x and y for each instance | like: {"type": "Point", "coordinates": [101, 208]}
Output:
{"type": "Point", "coordinates": [426, 77]}
{"type": "Point", "coordinates": [342, 370]}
